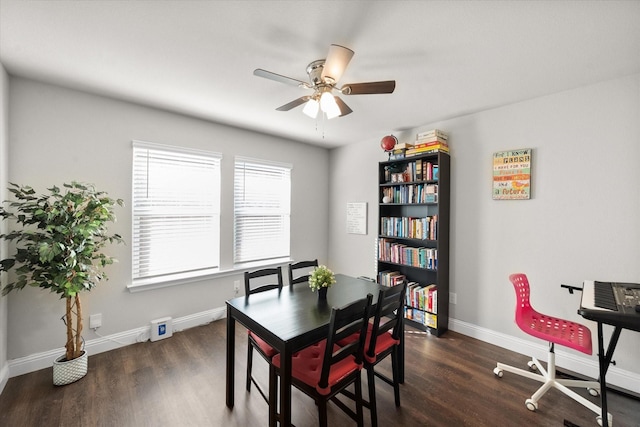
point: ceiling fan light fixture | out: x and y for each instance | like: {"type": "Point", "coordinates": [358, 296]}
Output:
{"type": "Point", "coordinates": [337, 60]}
{"type": "Point", "coordinates": [329, 105]}
{"type": "Point", "coordinates": [311, 108]}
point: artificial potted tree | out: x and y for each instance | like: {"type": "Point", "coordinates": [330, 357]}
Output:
{"type": "Point", "coordinates": [58, 240]}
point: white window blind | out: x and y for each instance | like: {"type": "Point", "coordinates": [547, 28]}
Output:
{"type": "Point", "coordinates": [176, 211]}
{"type": "Point", "coordinates": [262, 207]}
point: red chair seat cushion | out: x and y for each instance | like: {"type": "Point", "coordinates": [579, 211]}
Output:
{"type": "Point", "coordinates": [306, 366]}
{"type": "Point", "coordinates": [266, 349]}
{"type": "Point", "coordinates": [384, 342]}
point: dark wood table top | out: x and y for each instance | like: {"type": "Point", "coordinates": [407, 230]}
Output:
{"type": "Point", "coordinates": [286, 315]}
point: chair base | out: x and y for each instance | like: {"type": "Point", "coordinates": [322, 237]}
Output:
{"type": "Point", "coordinates": [549, 380]}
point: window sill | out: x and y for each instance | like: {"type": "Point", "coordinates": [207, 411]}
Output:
{"type": "Point", "coordinates": [181, 279]}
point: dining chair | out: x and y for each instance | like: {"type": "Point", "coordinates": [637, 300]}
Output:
{"type": "Point", "coordinates": [300, 278]}
{"type": "Point", "coordinates": [383, 339]}
{"type": "Point", "coordinates": [554, 330]}
{"type": "Point", "coordinates": [325, 369]}
{"type": "Point", "coordinates": [255, 282]}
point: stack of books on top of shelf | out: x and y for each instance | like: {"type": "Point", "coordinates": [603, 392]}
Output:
{"type": "Point", "coordinates": [431, 141]}
{"type": "Point", "coordinates": [399, 151]}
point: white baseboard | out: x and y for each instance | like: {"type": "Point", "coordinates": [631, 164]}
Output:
{"type": "Point", "coordinates": [573, 362]}
{"type": "Point", "coordinates": [4, 376]}
{"type": "Point", "coordinates": [45, 359]}
{"type": "Point", "coordinates": [570, 361]}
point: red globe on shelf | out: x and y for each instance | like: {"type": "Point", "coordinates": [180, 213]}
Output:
{"type": "Point", "coordinates": [388, 142]}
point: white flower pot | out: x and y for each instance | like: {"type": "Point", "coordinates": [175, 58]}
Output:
{"type": "Point", "coordinates": [69, 371]}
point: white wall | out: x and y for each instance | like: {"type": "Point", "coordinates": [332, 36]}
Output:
{"type": "Point", "coordinates": [581, 223]}
{"type": "Point", "coordinates": [4, 164]}
{"type": "Point", "coordinates": [58, 135]}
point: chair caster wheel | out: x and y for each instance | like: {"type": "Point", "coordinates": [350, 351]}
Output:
{"type": "Point", "coordinates": [531, 405]}
{"type": "Point", "coordinates": [594, 392]}
{"type": "Point", "coordinates": [532, 365]}
{"type": "Point", "coordinates": [498, 372]}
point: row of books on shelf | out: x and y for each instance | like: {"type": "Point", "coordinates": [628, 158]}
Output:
{"type": "Point", "coordinates": [424, 318]}
{"type": "Point", "coordinates": [390, 278]}
{"type": "Point", "coordinates": [409, 227]}
{"type": "Point", "coordinates": [398, 253]}
{"type": "Point", "coordinates": [419, 170]}
{"type": "Point", "coordinates": [411, 193]}
{"type": "Point", "coordinates": [423, 297]}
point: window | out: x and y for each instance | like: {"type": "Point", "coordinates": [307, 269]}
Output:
{"type": "Point", "coordinates": [176, 212]}
{"type": "Point", "coordinates": [262, 205]}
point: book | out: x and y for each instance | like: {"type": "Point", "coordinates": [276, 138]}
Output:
{"type": "Point", "coordinates": [402, 146]}
{"type": "Point", "coordinates": [432, 132]}
{"type": "Point", "coordinates": [429, 144]}
{"type": "Point", "coordinates": [432, 139]}
{"type": "Point", "coordinates": [425, 150]}
{"type": "Point", "coordinates": [427, 147]}
{"type": "Point", "coordinates": [430, 320]}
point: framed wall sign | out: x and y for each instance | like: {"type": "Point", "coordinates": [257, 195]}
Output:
{"type": "Point", "coordinates": [512, 174]}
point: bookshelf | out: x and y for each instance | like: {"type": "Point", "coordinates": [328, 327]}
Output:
{"type": "Point", "coordinates": [413, 235]}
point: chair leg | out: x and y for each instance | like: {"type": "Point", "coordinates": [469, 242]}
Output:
{"type": "Point", "coordinates": [249, 363]}
{"type": "Point", "coordinates": [395, 367]}
{"type": "Point", "coordinates": [359, 411]}
{"type": "Point", "coordinates": [322, 412]}
{"type": "Point", "coordinates": [372, 396]}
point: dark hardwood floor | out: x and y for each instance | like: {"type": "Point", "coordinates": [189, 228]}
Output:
{"type": "Point", "coordinates": [181, 382]}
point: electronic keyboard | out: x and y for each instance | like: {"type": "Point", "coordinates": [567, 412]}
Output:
{"type": "Point", "coordinates": [616, 304]}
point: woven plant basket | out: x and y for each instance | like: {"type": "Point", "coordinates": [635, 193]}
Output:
{"type": "Point", "coordinates": [69, 371]}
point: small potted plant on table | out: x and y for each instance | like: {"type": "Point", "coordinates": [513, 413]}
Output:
{"type": "Point", "coordinates": [320, 279]}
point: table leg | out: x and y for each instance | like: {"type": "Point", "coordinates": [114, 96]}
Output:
{"type": "Point", "coordinates": [285, 387]}
{"type": "Point", "coordinates": [231, 349]}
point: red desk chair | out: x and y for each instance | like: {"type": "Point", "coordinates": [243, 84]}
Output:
{"type": "Point", "coordinates": [254, 282]}
{"type": "Point", "coordinates": [555, 331]}
{"type": "Point", "coordinates": [302, 265]}
{"type": "Point", "coordinates": [324, 370]}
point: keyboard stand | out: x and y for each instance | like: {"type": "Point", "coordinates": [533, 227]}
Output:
{"type": "Point", "coordinates": [619, 322]}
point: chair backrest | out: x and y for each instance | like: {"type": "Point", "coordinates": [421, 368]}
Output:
{"type": "Point", "coordinates": [297, 266]}
{"type": "Point", "coordinates": [388, 316]}
{"type": "Point", "coordinates": [346, 321]}
{"type": "Point", "coordinates": [523, 303]}
{"type": "Point", "coordinates": [262, 280]}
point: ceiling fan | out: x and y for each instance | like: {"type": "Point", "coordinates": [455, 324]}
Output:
{"type": "Point", "coordinates": [323, 78]}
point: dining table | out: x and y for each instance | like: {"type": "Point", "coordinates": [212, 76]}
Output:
{"type": "Point", "coordinates": [290, 319]}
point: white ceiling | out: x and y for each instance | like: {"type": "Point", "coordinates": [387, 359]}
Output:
{"type": "Point", "coordinates": [449, 58]}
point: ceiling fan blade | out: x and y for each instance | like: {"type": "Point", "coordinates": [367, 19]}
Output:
{"type": "Point", "coordinates": [294, 103]}
{"type": "Point", "coordinates": [337, 60]}
{"type": "Point", "coordinates": [387, 86]}
{"type": "Point", "coordinates": [279, 78]}
{"type": "Point", "coordinates": [344, 108]}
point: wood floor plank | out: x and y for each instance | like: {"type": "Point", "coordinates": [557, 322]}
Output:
{"type": "Point", "coordinates": [180, 381]}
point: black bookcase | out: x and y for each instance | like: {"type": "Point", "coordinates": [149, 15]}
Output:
{"type": "Point", "coordinates": [413, 235]}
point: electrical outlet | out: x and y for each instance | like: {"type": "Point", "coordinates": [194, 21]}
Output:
{"type": "Point", "coordinates": [236, 287]}
{"type": "Point", "coordinates": [95, 321]}
{"type": "Point", "coordinates": [453, 298]}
